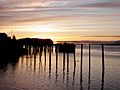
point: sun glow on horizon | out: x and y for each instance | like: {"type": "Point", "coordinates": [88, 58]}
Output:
{"type": "Point", "coordinates": [41, 28]}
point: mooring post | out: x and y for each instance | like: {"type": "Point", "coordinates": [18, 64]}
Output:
{"type": "Point", "coordinates": [56, 55]}
{"type": "Point", "coordinates": [89, 63]}
{"type": "Point", "coordinates": [81, 62]}
{"type": "Point", "coordinates": [89, 67]}
{"type": "Point", "coordinates": [103, 68]}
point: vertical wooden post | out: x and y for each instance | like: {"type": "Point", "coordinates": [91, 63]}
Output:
{"type": "Point", "coordinates": [103, 64]}
{"type": "Point", "coordinates": [89, 63]}
{"type": "Point", "coordinates": [103, 68]}
{"type": "Point", "coordinates": [56, 56]}
{"type": "Point", "coordinates": [81, 62]}
{"type": "Point", "coordinates": [89, 67]}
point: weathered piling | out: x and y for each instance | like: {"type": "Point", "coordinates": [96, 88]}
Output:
{"type": "Point", "coordinates": [89, 63]}
{"type": "Point", "coordinates": [81, 62]}
{"type": "Point", "coordinates": [103, 64]}
{"type": "Point", "coordinates": [89, 72]}
{"type": "Point", "coordinates": [103, 68]}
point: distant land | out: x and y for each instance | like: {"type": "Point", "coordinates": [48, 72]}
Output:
{"type": "Point", "coordinates": [91, 42]}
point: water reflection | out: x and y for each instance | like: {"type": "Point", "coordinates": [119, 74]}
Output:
{"type": "Point", "coordinates": [56, 76]}
{"type": "Point", "coordinates": [63, 67]}
{"type": "Point", "coordinates": [4, 63]}
{"type": "Point", "coordinates": [74, 70]}
{"type": "Point", "coordinates": [50, 61]}
{"type": "Point", "coordinates": [67, 68]}
{"type": "Point", "coordinates": [70, 71]}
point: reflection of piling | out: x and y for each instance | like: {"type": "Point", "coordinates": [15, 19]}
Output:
{"type": "Point", "coordinates": [45, 58]}
{"type": "Point", "coordinates": [74, 59]}
{"type": "Point", "coordinates": [67, 67]}
{"type": "Point", "coordinates": [74, 74]}
{"type": "Point", "coordinates": [50, 56]}
{"type": "Point", "coordinates": [103, 68]}
{"type": "Point", "coordinates": [56, 63]}
{"type": "Point", "coordinates": [63, 66]}
{"type": "Point", "coordinates": [41, 50]}
{"type": "Point", "coordinates": [34, 62]}
{"type": "Point", "coordinates": [29, 49]}
{"type": "Point", "coordinates": [81, 62]}
{"type": "Point", "coordinates": [49, 62]}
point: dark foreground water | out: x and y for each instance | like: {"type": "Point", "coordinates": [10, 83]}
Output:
{"type": "Point", "coordinates": [31, 73]}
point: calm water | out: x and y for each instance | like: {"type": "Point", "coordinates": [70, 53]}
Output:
{"type": "Point", "coordinates": [31, 73]}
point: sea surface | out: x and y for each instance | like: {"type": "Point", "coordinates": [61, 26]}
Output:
{"type": "Point", "coordinates": [35, 72]}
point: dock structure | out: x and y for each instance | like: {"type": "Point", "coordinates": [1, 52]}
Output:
{"type": "Point", "coordinates": [35, 47]}
{"type": "Point", "coordinates": [66, 50]}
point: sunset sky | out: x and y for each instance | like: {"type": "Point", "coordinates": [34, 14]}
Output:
{"type": "Point", "coordinates": [61, 19]}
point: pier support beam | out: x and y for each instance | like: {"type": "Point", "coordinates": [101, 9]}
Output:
{"type": "Point", "coordinates": [103, 68]}
{"type": "Point", "coordinates": [81, 62]}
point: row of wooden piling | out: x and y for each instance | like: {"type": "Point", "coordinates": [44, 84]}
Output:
{"type": "Point", "coordinates": [81, 62]}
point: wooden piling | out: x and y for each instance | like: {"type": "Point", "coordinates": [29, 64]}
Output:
{"type": "Point", "coordinates": [56, 56]}
{"type": "Point", "coordinates": [81, 62]}
{"type": "Point", "coordinates": [89, 74]}
{"type": "Point", "coordinates": [89, 63]}
{"type": "Point", "coordinates": [103, 68]}
{"type": "Point", "coordinates": [103, 64]}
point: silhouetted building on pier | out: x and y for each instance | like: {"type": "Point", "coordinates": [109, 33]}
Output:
{"type": "Point", "coordinates": [10, 48]}
{"type": "Point", "coordinates": [66, 48]}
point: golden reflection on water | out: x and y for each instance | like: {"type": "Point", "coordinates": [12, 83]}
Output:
{"type": "Point", "coordinates": [46, 69]}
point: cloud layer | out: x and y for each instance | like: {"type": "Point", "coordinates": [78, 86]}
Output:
{"type": "Point", "coordinates": [67, 15]}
